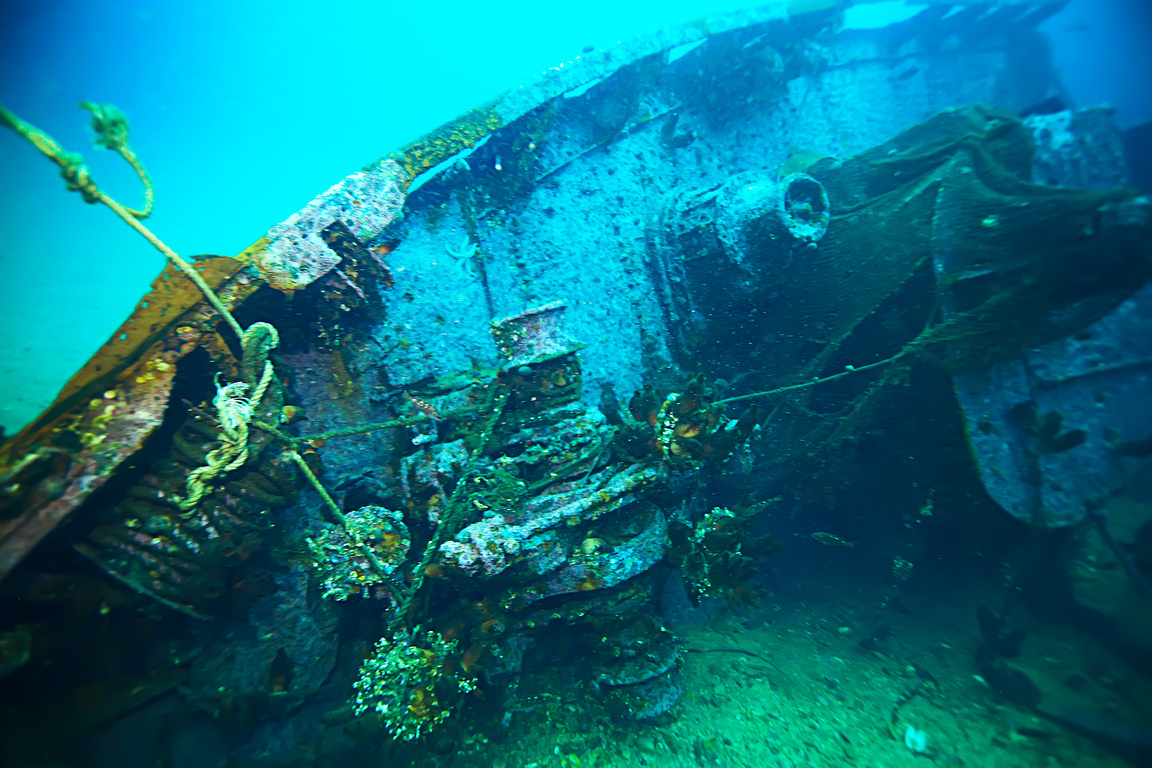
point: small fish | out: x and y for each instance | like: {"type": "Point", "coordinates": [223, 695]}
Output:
{"type": "Point", "coordinates": [900, 76]}
{"type": "Point", "coordinates": [425, 408]}
{"type": "Point", "coordinates": [832, 540]}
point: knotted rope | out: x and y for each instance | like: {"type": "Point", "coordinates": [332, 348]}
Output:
{"type": "Point", "coordinates": [234, 412]}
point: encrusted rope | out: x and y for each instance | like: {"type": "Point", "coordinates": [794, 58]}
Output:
{"type": "Point", "coordinates": [233, 408]}
{"type": "Point", "coordinates": [111, 128]}
{"type": "Point", "coordinates": [234, 412]}
{"type": "Point", "coordinates": [353, 534]}
{"type": "Point", "coordinates": [112, 131]}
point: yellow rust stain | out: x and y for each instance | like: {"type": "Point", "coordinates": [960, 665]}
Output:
{"type": "Point", "coordinates": [246, 256]}
{"type": "Point", "coordinates": [437, 146]}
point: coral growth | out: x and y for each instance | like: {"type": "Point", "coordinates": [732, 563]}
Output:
{"type": "Point", "coordinates": [339, 556]}
{"type": "Point", "coordinates": [407, 685]}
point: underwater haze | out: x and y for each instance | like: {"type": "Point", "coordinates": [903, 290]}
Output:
{"type": "Point", "coordinates": [595, 386]}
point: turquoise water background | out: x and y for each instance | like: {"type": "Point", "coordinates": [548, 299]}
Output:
{"type": "Point", "coordinates": [244, 111]}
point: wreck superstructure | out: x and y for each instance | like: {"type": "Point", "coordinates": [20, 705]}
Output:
{"type": "Point", "coordinates": [531, 363]}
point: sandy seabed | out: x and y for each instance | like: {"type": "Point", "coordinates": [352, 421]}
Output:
{"type": "Point", "coordinates": [787, 683]}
